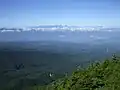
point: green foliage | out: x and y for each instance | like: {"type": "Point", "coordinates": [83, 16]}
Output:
{"type": "Point", "coordinates": [98, 76]}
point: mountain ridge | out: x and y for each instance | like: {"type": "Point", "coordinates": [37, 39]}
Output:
{"type": "Point", "coordinates": [60, 28]}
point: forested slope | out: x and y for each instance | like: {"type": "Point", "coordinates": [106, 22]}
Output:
{"type": "Point", "coordinates": [98, 76]}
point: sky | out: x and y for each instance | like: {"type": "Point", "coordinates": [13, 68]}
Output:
{"type": "Point", "coordinates": [24, 13]}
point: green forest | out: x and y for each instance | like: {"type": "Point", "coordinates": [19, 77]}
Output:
{"type": "Point", "coordinates": [104, 75]}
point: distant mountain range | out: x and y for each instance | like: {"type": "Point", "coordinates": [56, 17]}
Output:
{"type": "Point", "coordinates": [65, 33]}
{"type": "Point", "coordinates": [59, 28]}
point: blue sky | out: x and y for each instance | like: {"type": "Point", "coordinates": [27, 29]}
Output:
{"type": "Point", "coordinates": [21, 13]}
